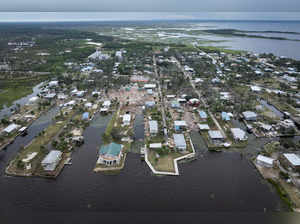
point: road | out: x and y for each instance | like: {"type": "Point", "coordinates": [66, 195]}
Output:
{"type": "Point", "coordinates": [161, 97]}
{"type": "Point", "coordinates": [188, 75]}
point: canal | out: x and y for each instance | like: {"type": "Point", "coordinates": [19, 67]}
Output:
{"type": "Point", "coordinates": [6, 111]}
{"type": "Point", "coordinates": [233, 181]}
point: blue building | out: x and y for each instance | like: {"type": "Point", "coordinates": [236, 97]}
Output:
{"type": "Point", "coordinates": [85, 116]}
{"type": "Point", "coordinates": [225, 116]}
{"type": "Point", "coordinates": [202, 114]}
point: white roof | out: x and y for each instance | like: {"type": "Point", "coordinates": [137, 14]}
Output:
{"type": "Point", "coordinates": [255, 88]}
{"type": "Point", "coordinates": [238, 133]}
{"type": "Point", "coordinates": [53, 83]}
{"type": "Point", "coordinates": [203, 126]}
{"type": "Point", "coordinates": [33, 99]}
{"type": "Point", "coordinates": [265, 159]}
{"type": "Point", "coordinates": [88, 104]}
{"type": "Point", "coordinates": [106, 103]}
{"type": "Point", "coordinates": [153, 126]}
{"type": "Point", "coordinates": [292, 158]}
{"type": "Point", "coordinates": [215, 135]}
{"type": "Point", "coordinates": [248, 114]}
{"type": "Point", "coordinates": [52, 157]}
{"type": "Point", "coordinates": [155, 146]}
{"type": "Point", "coordinates": [10, 128]}
{"type": "Point", "coordinates": [179, 140]}
{"type": "Point", "coordinates": [126, 117]}
{"type": "Point", "coordinates": [180, 123]}
{"type": "Point", "coordinates": [149, 86]}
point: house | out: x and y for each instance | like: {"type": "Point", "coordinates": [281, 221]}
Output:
{"type": "Point", "coordinates": [225, 96]}
{"type": "Point", "coordinates": [175, 104]}
{"type": "Point", "coordinates": [153, 127]}
{"type": "Point", "coordinates": [255, 88]}
{"type": "Point", "coordinates": [70, 103]}
{"type": "Point", "coordinates": [85, 116]}
{"type": "Point", "coordinates": [51, 161]}
{"type": "Point", "coordinates": [203, 127]}
{"type": "Point", "coordinates": [179, 125]}
{"type": "Point", "coordinates": [202, 115]}
{"type": "Point", "coordinates": [149, 104]}
{"type": "Point", "coordinates": [11, 128]}
{"type": "Point", "coordinates": [88, 105]}
{"type": "Point", "coordinates": [110, 154]}
{"type": "Point", "coordinates": [216, 136]}
{"type": "Point", "coordinates": [249, 116]}
{"type": "Point", "coordinates": [50, 96]}
{"type": "Point", "coordinates": [194, 102]}
{"type": "Point", "coordinates": [126, 119]}
{"type": "Point", "coordinates": [238, 134]}
{"type": "Point", "coordinates": [53, 84]}
{"type": "Point", "coordinates": [225, 116]}
{"type": "Point", "coordinates": [265, 161]}
{"type": "Point", "coordinates": [179, 142]}
{"type": "Point", "coordinates": [80, 93]}
{"type": "Point", "coordinates": [149, 91]}
{"type": "Point", "coordinates": [292, 160]}
{"type": "Point", "coordinates": [33, 100]}
{"type": "Point", "coordinates": [96, 93]}
{"type": "Point", "coordinates": [106, 104]}
{"type": "Point", "coordinates": [62, 96]}
{"type": "Point", "coordinates": [149, 86]}
{"type": "Point", "coordinates": [155, 146]}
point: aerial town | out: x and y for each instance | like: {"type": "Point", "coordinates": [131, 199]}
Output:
{"type": "Point", "coordinates": [233, 101]}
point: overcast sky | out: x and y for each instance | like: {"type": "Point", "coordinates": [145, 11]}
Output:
{"type": "Point", "coordinates": [150, 5]}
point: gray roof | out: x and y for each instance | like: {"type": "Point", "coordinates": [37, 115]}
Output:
{"type": "Point", "coordinates": [153, 126]}
{"type": "Point", "coordinates": [215, 135]}
{"type": "Point", "coordinates": [52, 157]}
{"type": "Point", "coordinates": [292, 158]}
{"type": "Point", "coordinates": [179, 140]}
{"type": "Point", "coordinates": [248, 114]}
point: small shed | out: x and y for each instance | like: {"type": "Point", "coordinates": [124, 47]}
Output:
{"type": "Point", "coordinates": [225, 116]}
{"type": "Point", "coordinates": [85, 116]}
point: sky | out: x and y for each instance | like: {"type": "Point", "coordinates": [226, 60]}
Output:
{"type": "Point", "coordinates": [150, 5]}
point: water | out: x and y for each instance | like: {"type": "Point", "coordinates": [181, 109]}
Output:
{"type": "Point", "coordinates": [231, 179]}
{"type": "Point", "coordinates": [6, 111]}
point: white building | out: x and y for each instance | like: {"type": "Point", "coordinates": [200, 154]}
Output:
{"type": "Point", "coordinates": [179, 142]}
{"type": "Point", "coordinates": [11, 128]}
{"type": "Point", "coordinates": [53, 84]}
{"type": "Point", "coordinates": [126, 119]}
{"type": "Point", "coordinates": [249, 116]}
{"type": "Point", "coordinates": [51, 161]}
{"type": "Point", "coordinates": [238, 134]}
{"type": "Point", "coordinates": [106, 104]}
{"type": "Point", "coordinates": [153, 127]}
{"type": "Point", "coordinates": [265, 161]}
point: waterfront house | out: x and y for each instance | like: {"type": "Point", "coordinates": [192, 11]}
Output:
{"type": "Point", "coordinates": [51, 161]}
{"type": "Point", "coordinates": [153, 127]}
{"type": "Point", "coordinates": [291, 160]}
{"type": "Point", "coordinates": [249, 116]}
{"type": "Point", "coordinates": [126, 119]}
{"type": "Point", "coordinates": [11, 128]}
{"type": "Point", "coordinates": [238, 134]}
{"type": "Point", "coordinates": [179, 125]}
{"type": "Point", "coordinates": [179, 141]}
{"type": "Point", "coordinates": [203, 127]}
{"type": "Point", "coordinates": [110, 154]}
{"type": "Point", "coordinates": [265, 161]}
{"type": "Point", "coordinates": [216, 137]}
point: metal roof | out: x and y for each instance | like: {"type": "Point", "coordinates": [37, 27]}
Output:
{"type": "Point", "coordinates": [52, 157]}
{"type": "Point", "coordinates": [202, 114]}
{"type": "Point", "coordinates": [238, 133]}
{"type": "Point", "coordinates": [203, 126]}
{"type": "Point", "coordinates": [111, 150]}
{"type": "Point", "coordinates": [180, 123]}
{"type": "Point", "coordinates": [215, 135]}
{"type": "Point", "coordinates": [265, 159]}
{"type": "Point", "coordinates": [153, 126]}
{"type": "Point", "coordinates": [11, 128]}
{"type": "Point", "coordinates": [292, 158]}
{"type": "Point", "coordinates": [179, 140]}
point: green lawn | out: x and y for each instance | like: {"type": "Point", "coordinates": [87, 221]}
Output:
{"type": "Point", "coordinates": [11, 94]}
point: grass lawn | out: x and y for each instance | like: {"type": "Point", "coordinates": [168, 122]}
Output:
{"type": "Point", "coordinates": [163, 163]}
{"type": "Point", "coordinates": [9, 95]}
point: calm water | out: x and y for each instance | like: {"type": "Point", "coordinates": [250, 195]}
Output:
{"type": "Point", "coordinates": [214, 182]}
{"type": "Point", "coordinates": [249, 21]}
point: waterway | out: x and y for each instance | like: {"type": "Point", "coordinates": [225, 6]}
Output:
{"type": "Point", "coordinates": [230, 178]}
{"type": "Point", "coordinates": [6, 111]}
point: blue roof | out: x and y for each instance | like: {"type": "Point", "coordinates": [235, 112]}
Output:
{"type": "Point", "coordinates": [225, 116]}
{"type": "Point", "coordinates": [85, 116]}
{"type": "Point", "coordinates": [202, 114]}
{"type": "Point", "coordinates": [113, 149]}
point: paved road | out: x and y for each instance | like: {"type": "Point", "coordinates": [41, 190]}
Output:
{"type": "Point", "coordinates": [187, 75]}
{"type": "Point", "coordinates": [161, 96]}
